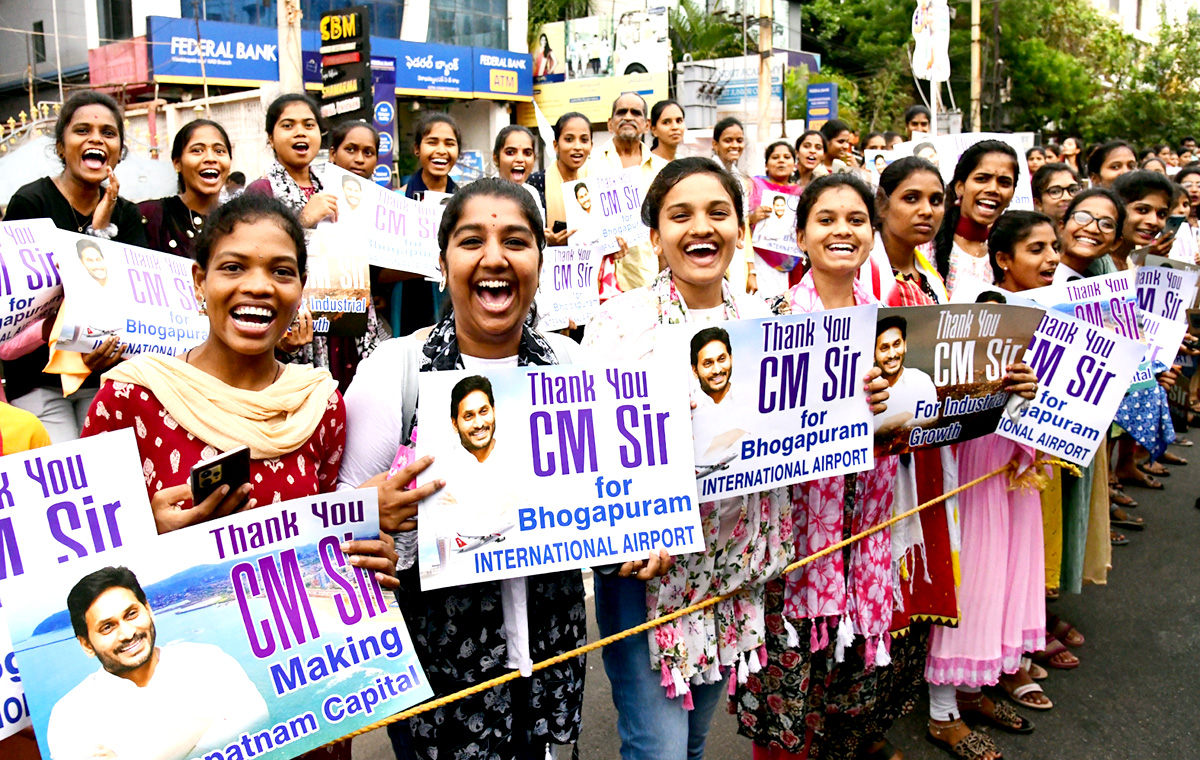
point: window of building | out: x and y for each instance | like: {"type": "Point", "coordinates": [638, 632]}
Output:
{"type": "Point", "coordinates": [116, 19]}
{"type": "Point", "coordinates": [481, 23]}
{"type": "Point", "coordinates": [39, 41]}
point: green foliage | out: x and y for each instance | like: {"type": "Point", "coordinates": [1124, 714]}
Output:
{"type": "Point", "coordinates": [795, 88]}
{"type": "Point", "coordinates": [1157, 98]}
{"type": "Point", "coordinates": [705, 36]}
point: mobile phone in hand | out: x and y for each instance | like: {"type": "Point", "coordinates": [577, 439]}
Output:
{"type": "Point", "coordinates": [1173, 225]}
{"type": "Point", "coordinates": [231, 468]}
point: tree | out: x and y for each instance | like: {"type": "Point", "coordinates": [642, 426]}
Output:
{"type": "Point", "coordinates": [704, 36]}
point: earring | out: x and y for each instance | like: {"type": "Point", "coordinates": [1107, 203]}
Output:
{"type": "Point", "coordinates": [203, 306]}
{"type": "Point", "coordinates": [442, 285]}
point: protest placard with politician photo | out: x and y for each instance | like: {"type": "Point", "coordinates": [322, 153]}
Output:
{"type": "Point", "coordinates": [568, 289]}
{"type": "Point", "coordinates": [552, 468]}
{"type": "Point", "coordinates": [60, 504]}
{"type": "Point", "coordinates": [392, 231]}
{"type": "Point", "coordinates": [777, 400]}
{"type": "Point", "coordinates": [248, 636]}
{"type": "Point", "coordinates": [605, 208]}
{"type": "Point", "coordinates": [337, 289]}
{"type": "Point", "coordinates": [945, 367]}
{"type": "Point", "coordinates": [147, 299]}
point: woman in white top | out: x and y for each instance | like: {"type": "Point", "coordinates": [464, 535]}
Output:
{"type": "Point", "coordinates": [983, 185]}
{"type": "Point", "coordinates": [491, 239]}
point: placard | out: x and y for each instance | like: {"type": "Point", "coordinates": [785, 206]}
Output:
{"type": "Point", "coordinates": [393, 232]}
{"type": "Point", "coordinates": [777, 233]}
{"type": "Point", "coordinates": [552, 468]}
{"type": "Point", "coordinates": [254, 637]}
{"type": "Point", "coordinates": [606, 207]}
{"type": "Point", "coordinates": [1083, 373]}
{"type": "Point", "coordinates": [58, 505]}
{"type": "Point", "coordinates": [1107, 301]}
{"type": "Point", "coordinates": [145, 298]}
{"type": "Point", "coordinates": [777, 400]}
{"type": "Point", "coordinates": [1164, 290]}
{"type": "Point", "coordinates": [338, 288]}
{"type": "Point", "coordinates": [568, 289]}
{"type": "Point", "coordinates": [946, 366]}
{"type": "Point", "coordinates": [30, 287]}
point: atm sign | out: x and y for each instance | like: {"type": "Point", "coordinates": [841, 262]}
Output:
{"type": "Point", "coordinates": [503, 80]}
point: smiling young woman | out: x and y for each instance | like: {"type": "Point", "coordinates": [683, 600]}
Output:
{"type": "Point", "coordinates": [89, 138]}
{"type": "Point", "coordinates": [828, 699]}
{"type": "Point", "coordinates": [202, 155]}
{"type": "Point", "coordinates": [230, 390]}
{"type": "Point", "coordinates": [694, 212]}
{"type": "Point", "coordinates": [491, 240]}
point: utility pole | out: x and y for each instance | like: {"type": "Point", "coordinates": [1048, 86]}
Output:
{"type": "Point", "coordinates": [976, 66]}
{"type": "Point", "coordinates": [291, 63]}
{"type": "Point", "coordinates": [766, 24]}
{"type": "Point", "coordinates": [57, 56]}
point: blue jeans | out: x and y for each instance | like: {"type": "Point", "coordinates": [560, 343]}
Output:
{"type": "Point", "coordinates": [651, 726]}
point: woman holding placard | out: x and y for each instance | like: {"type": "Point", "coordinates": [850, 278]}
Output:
{"type": "Point", "coordinates": [491, 239]}
{"type": "Point", "coordinates": [1002, 594]}
{"type": "Point", "coordinates": [89, 139]}
{"type": "Point", "coordinates": [694, 211]}
{"type": "Point", "coordinates": [830, 691]}
{"type": "Point", "coordinates": [202, 155]}
{"type": "Point", "coordinates": [983, 185]}
{"type": "Point", "coordinates": [572, 148]}
{"type": "Point", "coordinates": [771, 216]}
{"type": "Point", "coordinates": [231, 391]}
{"type": "Point", "coordinates": [294, 130]}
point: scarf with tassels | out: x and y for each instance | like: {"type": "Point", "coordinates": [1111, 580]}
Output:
{"type": "Point", "coordinates": [731, 634]}
{"type": "Point", "coordinates": [852, 589]}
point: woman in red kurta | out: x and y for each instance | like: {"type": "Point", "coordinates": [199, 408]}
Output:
{"type": "Point", "coordinates": [230, 390]}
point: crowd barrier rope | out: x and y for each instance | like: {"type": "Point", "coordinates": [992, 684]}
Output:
{"type": "Point", "coordinates": [434, 704]}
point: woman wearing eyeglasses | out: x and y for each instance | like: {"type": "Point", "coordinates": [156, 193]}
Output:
{"type": "Point", "coordinates": [1054, 185]}
{"type": "Point", "coordinates": [1088, 230]}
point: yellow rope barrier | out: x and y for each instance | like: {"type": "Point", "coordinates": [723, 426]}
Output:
{"type": "Point", "coordinates": [515, 674]}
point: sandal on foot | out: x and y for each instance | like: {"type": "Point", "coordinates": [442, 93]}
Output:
{"type": "Point", "coordinates": [1172, 459]}
{"type": "Point", "coordinates": [1037, 672]}
{"type": "Point", "coordinates": [973, 746]}
{"type": "Point", "coordinates": [1064, 631]}
{"type": "Point", "coordinates": [1143, 482]}
{"type": "Point", "coordinates": [1153, 468]}
{"type": "Point", "coordinates": [1120, 498]}
{"type": "Point", "coordinates": [1118, 516]}
{"type": "Point", "coordinates": [1052, 655]}
{"type": "Point", "coordinates": [1119, 539]}
{"type": "Point", "coordinates": [1020, 695]}
{"type": "Point", "coordinates": [1003, 716]}
{"type": "Point", "coordinates": [1184, 442]}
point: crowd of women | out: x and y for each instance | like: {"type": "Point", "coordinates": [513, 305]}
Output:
{"type": "Point", "coordinates": [816, 663]}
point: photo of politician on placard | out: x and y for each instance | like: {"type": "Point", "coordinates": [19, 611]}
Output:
{"type": "Point", "coordinates": [946, 367]}
{"type": "Point", "coordinates": [146, 701]}
{"type": "Point", "coordinates": [254, 636]}
{"type": "Point", "coordinates": [553, 468]}
{"type": "Point", "coordinates": [775, 401]}
{"type": "Point", "coordinates": [483, 518]}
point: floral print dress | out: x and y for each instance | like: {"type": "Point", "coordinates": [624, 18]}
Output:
{"type": "Point", "coordinates": [829, 687]}
{"type": "Point", "coordinates": [731, 634]}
